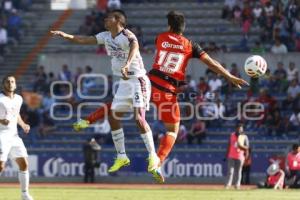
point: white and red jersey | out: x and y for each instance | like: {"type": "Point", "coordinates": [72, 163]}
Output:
{"type": "Point", "coordinates": [10, 110]}
{"type": "Point", "coordinates": [173, 51]}
{"type": "Point", "coordinates": [118, 49]}
{"type": "Point", "coordinates": [234, 151]}
{"type": "Point", "coordinates": [293, 161]}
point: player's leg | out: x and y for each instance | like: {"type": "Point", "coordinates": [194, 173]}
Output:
{"type": "Point", "coordinates": [119, 141]}
{"type": "Point", "coordinates": [230, 171]}
{"type": "Point", "coordinates": [19, 154]}
{"type": "Point", "coordinates": [99, 114]}
{"type": "Point", "coordinates": [238, 169]}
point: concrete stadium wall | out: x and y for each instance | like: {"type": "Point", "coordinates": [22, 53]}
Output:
{"type": "Point", "coordinates": [101, 63]}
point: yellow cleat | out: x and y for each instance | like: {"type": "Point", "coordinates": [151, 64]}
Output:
{"type": "Point", "coordinates": [81, 124]}
{"type": "Point", "coordinates": [153, 162]}
{"type": "Point", "coordinates": [119, 162]}
{"type": "Point", "coordinates": [157, 175]}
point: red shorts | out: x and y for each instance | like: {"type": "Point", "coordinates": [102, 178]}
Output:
{"type": "Point", "coordinates": [167, 107]}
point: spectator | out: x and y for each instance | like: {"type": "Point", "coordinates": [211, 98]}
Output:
{"type": "Point", "coordinates": [257, 13]}
{"type": "Point", "coordinates": [77, 74]}
{"type": "Point", "coordinates": [182, 134]}
{"type": "Point", "coordinates": [3, 39]}
{"type": "Point", "coordinates": [293, 166]}
{"type": "Point", "coordinates": [234, 70]}
{"type": "Point", "coordinates": [202, 86]}
{"type": "Point", "coordinates": [235, 158]}
{"type": "Point", "coordinates": [88, 82]}
{"type": "Point", "coordinates": [288, 103]}
{"type": "Point", "coordinates": [214, 83]}
{"type": "Point", "coordinates": [191, 83]}
{"type": "Point", "coordinates": [292, 72]}
{"type": "Point", "coordinates": [280, 70]}
{"type": "Point", "coordinates": [258, 49]}
{"type": "Point", "coordinates": [114, 4]}
{"type": "Point", "coordinates": [278, 47]}
{"type": "Point", "coordinates": [269, 10]}
{"type": "Point", "coordinates": [296, 25]}
{"type": "Point", "coordinates": [228, 8]}
{"type": "Point", "coordinates": [198, 132]}
{"type": "Point", "coordinates": [294, 121]}
{"type": "Point", "coordinates": [293, 89]}
{"type": "Point", "coordinates": [14, 23]}
{"type": "Point", "coordinates": [47, 124]}
{"type": "Point", "coordinates": [40, 80]}
{"type": "Point", "coordinates": [90, 153]}
{"type": "Point", "coordinates": [237, 15]}
{"type": "Point", "coordinates": [65, 74]}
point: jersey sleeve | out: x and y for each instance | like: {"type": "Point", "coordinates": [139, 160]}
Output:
{"type": "Point", "coordinates": [100, 38]}
{"type": "Point", "coordinates": [130, 37]}
{"type": "Point", "coordinates": [197, 50]}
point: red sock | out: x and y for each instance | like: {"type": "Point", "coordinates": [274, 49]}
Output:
{"type": "Point", "coordinates": [166, 144]}
{"type": "Point", "coordinates": [100, 113]}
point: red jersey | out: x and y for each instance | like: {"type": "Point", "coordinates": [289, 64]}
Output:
{"type": "Point", "coordinates": [173, 52]}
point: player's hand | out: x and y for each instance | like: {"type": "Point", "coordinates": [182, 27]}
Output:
{"type": "Point", "coordinates": [58, 33]}
{"type": "Point", "coordinates": [26, 128]}
{"type": "Point", "coordinates": [4, 122]}
{"type": "Point", "coordinates": [124, 71]}
{"type": "Point", "coordinates": [238, 82]}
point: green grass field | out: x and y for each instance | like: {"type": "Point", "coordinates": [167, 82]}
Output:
{"type": "Point", "coordinates": [40, 193]}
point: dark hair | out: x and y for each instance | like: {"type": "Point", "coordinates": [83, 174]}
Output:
{"type": "Point", "coordinates": [6, 77]}
{"type": "Point", "coordinates": [176, 21]}
{"type": "Point", "coordinates": [239, 124]}
{"type": "Point", "coordinates": [295, 147]}
{"type": "Point", "coordinates": [120, 16]}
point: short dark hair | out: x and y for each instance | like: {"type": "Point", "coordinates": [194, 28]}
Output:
{"type": "Point", "coordinates": [6, 77]}
{"type": "Point", "coordinates": [295, 147]}
{"type": "Point", "coordinates": [176, 21]}
{"type": "Point", "coordinates": [120, 16]}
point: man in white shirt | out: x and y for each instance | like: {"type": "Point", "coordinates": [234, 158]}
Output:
{"type": "Point", "coordinates": [134, 86]}
{"type": "Point", "coordinates": [215, 83]}
{"type": "Point", "coordinates": [278, 47]}
{"type": "Point", "coordinates": [11, 145]}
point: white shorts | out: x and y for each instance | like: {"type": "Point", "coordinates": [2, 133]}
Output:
{"type": "Point", "coordinates": [11, 147]}
{"type": "Point", "coordinates": [135, 92]}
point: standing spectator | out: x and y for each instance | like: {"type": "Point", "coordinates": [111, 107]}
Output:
{"type": "Point", "coordinates": [235, 158]}
{"type": "Point", "coordinates": [292, 72]}
{"type": "Point", "coordinates": [247, 167]}
{"type": "Point", "coordinates": [198, 132]}
{"type": "Point", "coordinates": [293, 89]}
{"type": "Point", "coordinates": [258, 14]}
{"type": "Point", "coordinates": [293, 166]}
{"type": "Point", "coordinates": [278, 47]}
{"type": "Point", "coordinates": [294, 121]}
{"type": "Point", "coordinates": [40, 80]}
{"type": "Point", "coordinates": [90, 153]}
{"type": "Point", "coordinates": [3, 39]}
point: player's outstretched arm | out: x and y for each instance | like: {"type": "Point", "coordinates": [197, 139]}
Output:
{"type": "Point", "coordinates": [79, 39]}
{"type": "Point", "coordinates": [24, 126]}
{"type": "Point", "coordinates": [219, 69]}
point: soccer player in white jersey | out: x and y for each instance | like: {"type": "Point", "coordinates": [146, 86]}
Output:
{"type": "Point", "coordinates": [11, 145]}
{"type": "Point", "coordinates": [134, 86]}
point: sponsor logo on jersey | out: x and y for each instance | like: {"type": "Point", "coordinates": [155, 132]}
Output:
{"type": "Point", "coordinates": [173, 46]}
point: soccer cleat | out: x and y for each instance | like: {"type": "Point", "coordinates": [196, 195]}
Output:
{"type": "Point", "coordinates": [81, 124]}
{"type": "Point", "coordinates": [157, 175]}
{"type": "Point", "coordinates": [153, 162]}
{"type": "Point", "coordinates": [26, 196]}
{"type": "Point", "coordinates": [119, 162]}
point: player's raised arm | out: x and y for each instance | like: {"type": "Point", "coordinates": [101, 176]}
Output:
{"type": "Point", "coordinates": [79, 39]}
{"type": "Point", "coordinates": [219, 69]}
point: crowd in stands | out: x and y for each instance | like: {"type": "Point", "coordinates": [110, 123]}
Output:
{"type": "Point", "coordinates": [278, 22]}
{"type": "Point", "coordinates": [11, 23]}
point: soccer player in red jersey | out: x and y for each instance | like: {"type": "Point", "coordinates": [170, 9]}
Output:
{"type": "Point", "coordinates": [173, 51]}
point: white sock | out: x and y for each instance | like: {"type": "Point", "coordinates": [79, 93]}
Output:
{"type": "Point", "coordinates": [149, 143]}
{"type": "Point", "coordinates": [24, 181]}
{"type": "Point", "coordinates": [119, 141]}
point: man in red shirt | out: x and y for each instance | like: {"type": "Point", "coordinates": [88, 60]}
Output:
{"type": "Point", "coordinates": [173, 51]}
{"type": "Point", "coordinates": [293, 166]}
